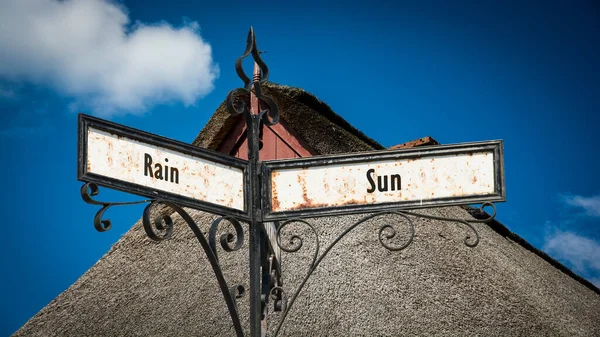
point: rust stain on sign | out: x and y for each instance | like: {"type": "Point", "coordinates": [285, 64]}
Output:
{"type": "Point", "coordinates": [383, 181]}
{"type": "Point", "coordinates": [275, 201]}
{"type": "Point", "coordinates": [165, 170]}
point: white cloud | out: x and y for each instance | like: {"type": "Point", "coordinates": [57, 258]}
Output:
{"type": "Point", "coordinates": [591, 205]}
{"type": "Point", "coordinates": [86, 49]}
{"type": "Point", "coordinates": [581, 253]}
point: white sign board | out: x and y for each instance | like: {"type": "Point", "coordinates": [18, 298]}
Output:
{"type": "Point", "coordinates": [412, 178]}
{"type": "Point", "coordinates": [148, 165]}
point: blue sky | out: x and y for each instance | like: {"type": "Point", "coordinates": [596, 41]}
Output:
{"type": "Point", "coordinates": [526, 72]}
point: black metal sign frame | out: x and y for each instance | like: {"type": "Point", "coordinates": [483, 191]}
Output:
{"type": "Point", "coordinates": [496, 147]}
{"type": "Point", "coordinates": [86, 122]}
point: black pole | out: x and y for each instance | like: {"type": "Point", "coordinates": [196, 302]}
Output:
{"type": "Point", "coordinates": [253, 125]}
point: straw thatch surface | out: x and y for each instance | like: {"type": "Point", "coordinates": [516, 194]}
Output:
{"type": "Point", "coordinates": [437, 286]}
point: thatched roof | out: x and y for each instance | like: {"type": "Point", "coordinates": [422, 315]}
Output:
{"type": "Point", "coordinates": [324, 130]}
{"type": "Point", "coordinates": [437, 286]}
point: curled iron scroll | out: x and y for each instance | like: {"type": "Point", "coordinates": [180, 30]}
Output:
{"type": "Point", "coordinates": [226, 239]}
{"type": "Point", "coordinates": [90, 190]}
{"type": "Point", "coordinates": [235, 105]}
{"type": "Point", "coordinates": [466, 222]}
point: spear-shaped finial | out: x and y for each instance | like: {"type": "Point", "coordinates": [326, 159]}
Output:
{"type": "Point", "coordinates": [260, 76]}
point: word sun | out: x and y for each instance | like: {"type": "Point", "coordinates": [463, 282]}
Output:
{"type": "Point", "coordinates": [382, 182]}
{"type": "Point", "coordinates": [171, 173]}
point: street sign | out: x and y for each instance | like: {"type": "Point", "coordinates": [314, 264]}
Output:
{"type": "Point", "coordinates": [371, 181]}
{"type": "Point", "coordinates": [263, 193]}
{"type": "Point", "coordinates": [134, 161]}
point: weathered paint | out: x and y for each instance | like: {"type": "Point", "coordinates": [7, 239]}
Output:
{"type": "Point", "coordinates": [424, 178]}
{"type": "Point", "coordinates": [122, 158]}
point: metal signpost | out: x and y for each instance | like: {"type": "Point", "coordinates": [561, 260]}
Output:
{"type": "Point", "coordinates": [270, 195]}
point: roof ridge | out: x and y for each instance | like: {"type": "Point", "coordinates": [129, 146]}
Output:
{"type": "Point", "coordinates": [319, 105]}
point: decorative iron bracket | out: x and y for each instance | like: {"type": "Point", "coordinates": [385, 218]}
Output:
{"type": "Point", "coordinates": [159, 227]}
{"type": "Point", "coordinates": [386, 232]}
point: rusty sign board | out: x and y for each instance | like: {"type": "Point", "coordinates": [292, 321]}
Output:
{"type": "Point", "coordinates": [134, 161]}
{"type": "Point", "coordinates": [389, 179]}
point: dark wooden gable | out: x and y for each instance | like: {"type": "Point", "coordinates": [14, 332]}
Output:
{"type": "Point", "coordinates": [279, 141]}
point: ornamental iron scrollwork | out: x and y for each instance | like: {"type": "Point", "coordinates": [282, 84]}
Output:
{"type": "Point", "coordinates": [159, 227]}
{"type": "Point", "coordinates": [90, 190]}
{"type": "Point", "coordinates": [386, 233]}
